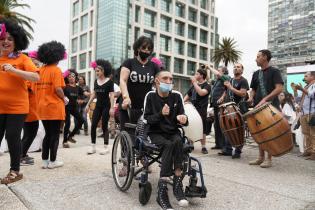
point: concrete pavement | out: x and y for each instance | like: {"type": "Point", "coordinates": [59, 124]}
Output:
{"type": "Point", "coordinates": [85, 182]}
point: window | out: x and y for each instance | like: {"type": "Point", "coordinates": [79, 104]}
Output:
{"type": "Point", "coordinates": [180, 28]}
{"type": "Point", "coordinates": [191, 50]}
{"type": "Point", "coordinates": [178, 66]}
{"type": "Point", "coordinates": [137, 33]}
{"type": "Point", "coordinates": [74, 45]}
{"type": "Point", "coordinates": [203, 53]}
{"type": "Point", "coordinates": [84, 22]}
{"type": "Point", "coordinates": [191, 67]}
{"type": "Point", "coordinates": [149, 18]}
{"type": "Point", "coordinates": [75, 9]}
{"type": "Point", "coordinates": [203, 36]}
{"type": "Point", "coordinates": [74, 62]}
{"type": "Point", "coordinates": [91, 39]}
{"type": "Point", "coordinates": [165, 43]}
{"type": "Point", "coordinates": [92, 3]}
{"type": "Point", "coordinates": [150, 2]}
{"type": "Point", "coordinates": [204, 4]}
{"type": "Point", "coordinates": [85, 5]}
{"type": "Point", "coordinates": [192, 2]}
{"type": "Point", "coordinates": [90, 57]}
{"type": "Point", "coordinates": [83, 42]}
{"type": "Point", "coordinates": [165, 24]}
{"type": "Point", "coordinates": [192, 31]}
{"type": "Point", "coordinates": [166, 5]}
{"type": "Point", "coordinates": [192, 15]}
{"type": "Point", "coordinates": [166, 60]}
{"type": "Point", "coordinates": [179, 47]}
{"type": "Point", "coordinates": [212, 22]}
{"type": "Point", "coordinates": [137, 14]}
{"type": "Point", "coordinates": [151, 35]}
{"type": "Point", "coordinates": [180, 10]}
{"type": "Point", "coordinates": [212, 39]}
{"type": "Point", "coordinates": [203, 19]}
{"type": "Point", "coordinates": [75, 27]}
{"type": "Point", "coordinates": [91, 18]}
{"type": "Point", "coordinates": [82, 60]}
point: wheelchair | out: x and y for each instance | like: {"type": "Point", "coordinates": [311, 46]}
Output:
{"type": "Point", "coordinates": [133, 146]}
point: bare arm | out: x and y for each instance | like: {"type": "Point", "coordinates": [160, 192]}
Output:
{"type": "Point", "coordinates": [59, 92]}
{"type": "Point", "coordinates": [274, 93]}
{"type": "Point", "coordinates": [91, 99]}
{"type": "Point", "coordinates": [186, 98]}
{"type": "Point", "coordinates": [215, 72]}
{"type": "Point", "coordinates": [124, 74]}
{"type": "Point", "coordinates": [199, 90]}
{"type": "Point", "coordinates": [30, 76]}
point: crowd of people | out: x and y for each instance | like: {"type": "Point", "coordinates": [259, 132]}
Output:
{"type": "Point", "coordinates": [37, 90]}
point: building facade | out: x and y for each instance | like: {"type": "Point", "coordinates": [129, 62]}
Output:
{"type": "Point", "coordinates": [184, 33]}
{"type": "Point", "coordinates": [291, 32]}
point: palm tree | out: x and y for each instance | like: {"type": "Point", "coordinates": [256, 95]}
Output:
{"type": "Point", "coordinates": [7, 10]}
{"type": "Point", "coordinates": [227, 52]}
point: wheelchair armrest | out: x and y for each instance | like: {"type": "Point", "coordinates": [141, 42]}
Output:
{"type": "Point", "coordinates": [130, 125]}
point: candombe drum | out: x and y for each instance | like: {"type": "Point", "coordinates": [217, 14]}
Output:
{"type": "Point", "coordinates": [232, 124]}
{"type": "Point", "coordinates": [270, 129]}
{"type": "Point", "coordinates": [194, 130]}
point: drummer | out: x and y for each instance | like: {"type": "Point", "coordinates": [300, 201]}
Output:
{"type": "Point", "coordinates": [236, 91]}
{"type": "Point", "coordinates": [266, 85]}
{"type": "Point", "coordinates": [198, 94]}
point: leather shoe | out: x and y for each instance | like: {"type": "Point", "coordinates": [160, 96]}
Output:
{"type": "Point", "coordinates": [224, 154]}
{"type": "Point", "coordinates": [312, 157]}
{"type": "Point", "coordinates": [215, 147]}
{"type": "Point", "coordinates": [305, 154]}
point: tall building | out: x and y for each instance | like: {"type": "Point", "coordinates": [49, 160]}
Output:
{"type": "Point", "coordinates": [291, 32]}
{"type": "Point", "coordinates": [184, 32]}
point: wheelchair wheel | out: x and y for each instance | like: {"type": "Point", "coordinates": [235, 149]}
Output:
{"type": "Point", "coordinates": [123, 161]}
{"type": "Point", "coordinates": [145, 192]}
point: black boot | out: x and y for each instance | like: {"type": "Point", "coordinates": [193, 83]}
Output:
{"type": "Point", "coordinates": [178, 191]}
{"type": "Point", "coordinates": [162, 198]}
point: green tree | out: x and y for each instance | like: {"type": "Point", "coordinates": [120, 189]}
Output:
{"type": "Point", "coordinates": [8, 10]}
{"type": "Point", "coordinates": [227, 52]}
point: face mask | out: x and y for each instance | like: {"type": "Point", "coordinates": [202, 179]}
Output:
{"type": "Point", "coordinates": [144, 55]}
{"type": "Point", "coordinates": [165, 88]}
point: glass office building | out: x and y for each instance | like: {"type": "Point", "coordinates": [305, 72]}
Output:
{"type": "Point", "coordinates": [291, 32]}
{"type": "Point", "coordinates": [185, 33]}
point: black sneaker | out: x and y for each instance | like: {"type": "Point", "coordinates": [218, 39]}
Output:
{"type": "Point", "coordinates": [162, 198]}
{"type": "Point", "coordinates": [204, 151]}
{"type": "Point", "coordinates": [26, 161]}
{"type": "Point", "coordinates": [236, 156]}
{"type": "Point", "coordinates": [179, 192]}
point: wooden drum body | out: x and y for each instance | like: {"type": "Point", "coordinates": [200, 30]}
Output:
{"type": "Point", "coordinates": [270, 129]}
{"type": "Point", "coordinates": [232, 124]}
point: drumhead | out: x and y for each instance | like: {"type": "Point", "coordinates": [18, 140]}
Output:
{"type": "Point", "coordinates": [227, 104]}
{"type": "Point", "coordinates": [255, 110]}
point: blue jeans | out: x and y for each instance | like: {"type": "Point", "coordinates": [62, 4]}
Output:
{"type": "Point", "coordinates": [227, 147]}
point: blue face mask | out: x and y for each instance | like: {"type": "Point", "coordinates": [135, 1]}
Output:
{"type": "Point", "coordinates": [165, 88]}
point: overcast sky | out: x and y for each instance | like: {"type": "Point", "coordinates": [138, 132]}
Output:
{"type": "Point", "coordinates": [244, 20]}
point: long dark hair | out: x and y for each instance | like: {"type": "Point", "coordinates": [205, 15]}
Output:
{"type": "Point", "coordinates": [288, 100]}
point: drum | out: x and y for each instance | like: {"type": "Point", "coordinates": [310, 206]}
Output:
{"type": "Point", "coordinates": [194, 130]}
{"type": "Point", "coordinates": [270, 129]}
{"type": "Point", "coordinates": [232, 124]}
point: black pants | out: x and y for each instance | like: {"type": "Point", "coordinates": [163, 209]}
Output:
{"type": "Point", "coordinates": [219, 137]}
{"type": "Point", "coordinates": [98, 113]}
{"type": "Point", "coordinates": [11, 125]}
{"type": "Point", "coordinates": [74, 111]}
{"type": "Point", "coordinates": [172, 152]}
{"type": "Point", "coordinates": [51, 139]}
{"type": "Point", "coordinates": [84, 117]}
{"type": "Point", "coordinates": [29, 133]}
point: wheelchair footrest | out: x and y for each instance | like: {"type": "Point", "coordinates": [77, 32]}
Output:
{"type": "Point", "coordinates": [196, 191]}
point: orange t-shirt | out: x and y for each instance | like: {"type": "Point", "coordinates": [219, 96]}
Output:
{"type": "Point", "coordinates": [33, 101]}
{"type": "Point", "coordinates": [50, 106]}
{"type": "Point", "coordinates": [13, 88]}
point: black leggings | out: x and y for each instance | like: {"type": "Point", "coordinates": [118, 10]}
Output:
{"type": "Point", "coordinates": [51, 140]}
{"type": "Point", "coordinates": [98, 113]}
{"type": "Point", "coordinates": [74, 111]}
{"type": "Point", "coordinates": [30, 131]}
{"type": "Point", "coordinates": [11, 125]}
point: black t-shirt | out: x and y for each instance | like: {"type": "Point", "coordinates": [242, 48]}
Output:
{"type": "Point", "coordinates": [272, 76]}
{"type": "Point", "coordinates": [73, 93]}
{"type": "Point", "coordinates": [200, 102]}
{"type": "Point", "coordinates": [102, 93]}
{"type": "Point", "coordinates": [217, 91]}
{"type": "Point", "coordinates": [238, 84]}
{"type": "Point", "coordinates": [140, 80]}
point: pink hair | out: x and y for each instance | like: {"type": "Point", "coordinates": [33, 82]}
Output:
{"type": "Point", "coordinates": [66, 73]}
{"type": "Point", "coordinates": [3, 31]}
{"type": "Point", "coordinates": [65, 56]}
{"type": "Point", "coordinates": [32, 54]}
{"type": "Point", "coordinates": [93, 64]}
{"type": "Point", "coordinates": [157, 61]}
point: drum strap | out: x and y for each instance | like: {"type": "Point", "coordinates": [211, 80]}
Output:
{"type": "Point", "coordinates": [262, 84]}
{"type": "Point", "coordinates": [231, 94]}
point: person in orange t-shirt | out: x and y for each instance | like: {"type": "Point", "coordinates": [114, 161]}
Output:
{"type": "Point", "coordinates": [31, 123]}
{"type": "Point", "coordinates": [51, 106]}
{"type": "Point", "coordinates": [15, 69]}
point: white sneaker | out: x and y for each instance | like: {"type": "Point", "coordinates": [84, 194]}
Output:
{"type": "Point", "coordinates": [91, 150]}
{"type": "Point", "coordinates": [45, 164]}
{"type": "Point", "coordinates": [55, 164]}
{"type": "Point", "coordinates": [105, 150]}
{"type": "Point", "coordinates": [183, 203]}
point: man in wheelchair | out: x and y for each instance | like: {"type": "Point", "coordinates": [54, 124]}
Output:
{"type": "Point", "coordinates": [164, 113]}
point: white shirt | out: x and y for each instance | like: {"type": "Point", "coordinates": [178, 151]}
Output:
{"type": "Point", "coordinates": [289, 113]}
